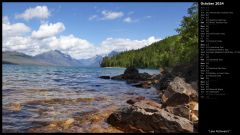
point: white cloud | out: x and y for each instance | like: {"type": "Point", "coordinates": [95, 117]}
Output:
{"type": "Point", "coordinates": [16, 29]}
{"type": "Point", "coordinates": [39, 12]}
{"type": "Point", "coordinates": [122, 44]}
{"type": "Point", "coordinates": [48, 30]}
{"type": "Point", "coordinates": [5, 20]}
{"type": "Point", "coordinates": [15, 38]}
{"type": "Point", "coordinates": [69, 42]}
{"type": "Point", "coordinates": [13, 35]}
{"type": "Point", "coordinates": [110, 15]}
{"type": "Point", "coordinates": [129, 20]}
{"type": "Point", "coordinates": [18, 37]}
{"type": "Point", "coordinates": [76, 47]}
{"type": "Point", "coordinates": [92, 17]}
{"type": "Point", "coordinates": [17, 43]}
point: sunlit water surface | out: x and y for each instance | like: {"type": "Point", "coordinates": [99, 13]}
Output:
{"type": "Point", "coordinates": [56, 93]}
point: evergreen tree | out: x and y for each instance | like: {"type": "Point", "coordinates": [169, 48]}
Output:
{"type": "Point", "coordinates": [169, 52]}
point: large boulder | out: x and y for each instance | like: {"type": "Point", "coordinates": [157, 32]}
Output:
{"type": "Point", "coordinates": [164, 80]}
{"type": "Point", "coordinates": [132, 76]}
{"type": "Point", "coordinates": [189, 111]}
{"type": "Point", "coordinates": [145, 76]}
{"type": "Point", "coordinates": [179, 92]}
{"type": "Point", "coordinates": [131, 71]}
{"type": "Point", "coordinates": [179, 110]}
{"type": "Point", "coordinates": [147, 116]}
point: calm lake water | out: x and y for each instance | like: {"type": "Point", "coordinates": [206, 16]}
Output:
{"type": "Point", "coordinates": [57, 93]}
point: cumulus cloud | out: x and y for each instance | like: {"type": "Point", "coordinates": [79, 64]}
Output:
{"type": "Point", "coordinates": [5, 20]}
{"type": "Point", "coordinates": [129, 20]}
{"type": "Point", "coordinates": [74, 46]}
{"type": "Point", "coordinates": [17, 43]}
{"type": "Point", "coordinates": [69, 42]}
{"type": "Point", "coordinates": [39, 12]}
{"type": "Point", "coordinates": [44, 39]}
{"type": "Point", "coordinates": [92, 17]}
{"type": "Point", "coordinates": [48, 30]}
{"type": "Point", "coordinates": [123, 44]}
{"type": "Point", "coordinates": [16, 29]}
{"type": "Point", "coordinates": [110, 15]}
{"type": "Point", "coordinates": [18, 37]}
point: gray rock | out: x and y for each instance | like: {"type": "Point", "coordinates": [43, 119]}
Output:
{"type": "Point", "coordinates": [143, 84]}
{"type": "Point", "coordinates": [131, 71]}
{"type": "Point", "coordinates": [164, 81]}
{"type": "Point", "coordinates": [178, 92]}
{"type": "Point", "coordinates": [134, 100]}
{"type": "Point", "coordinates": [180, 110]}
{"type": "Point", "coordinates": [105, 77]}
{"type": "Point", "coordinates": [147, 116]}
{"type": "Point", "coordinates": [118, 77]}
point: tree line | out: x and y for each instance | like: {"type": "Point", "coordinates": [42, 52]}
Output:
{"type": "Point", "coordinates": [171, 51]}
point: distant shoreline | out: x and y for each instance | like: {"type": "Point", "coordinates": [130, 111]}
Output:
{"type": "Point", "coordinates": [137, 68]}
{"type": "Point", "coordinates": [113, 67]}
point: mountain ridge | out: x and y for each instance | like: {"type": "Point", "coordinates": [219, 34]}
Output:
{"type": "Point", "coordinates": [51, 58]}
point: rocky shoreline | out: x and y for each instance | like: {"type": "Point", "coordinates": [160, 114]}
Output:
{"type": "Point", "coordinates": [177, 110]}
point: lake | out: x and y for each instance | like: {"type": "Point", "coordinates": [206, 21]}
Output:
{"type": "Point", "coordinates": [57, 93]}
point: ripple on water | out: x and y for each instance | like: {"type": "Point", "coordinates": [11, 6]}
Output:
{"type": "Point", "coordinates": [58, 94]}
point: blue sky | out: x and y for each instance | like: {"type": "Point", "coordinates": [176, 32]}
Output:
{"type": "Point", "coordinates": [96, 23]}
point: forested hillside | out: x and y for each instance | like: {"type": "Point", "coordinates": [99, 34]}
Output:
{"type": "Point", "coordinates": [171, 51]}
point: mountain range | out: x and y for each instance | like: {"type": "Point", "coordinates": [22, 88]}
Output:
{"type": "Point", "coordinates": [51, 58]}
{"type": "Point", "coordinates": [96, 60]}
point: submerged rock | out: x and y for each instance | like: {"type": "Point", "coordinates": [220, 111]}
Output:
{"type": "Point", "coordinates": [14, 107]}
{"type": "Point", "coordinates": [65, 101]}
{"type": "Point", "coordinates": [134, 100]}
{"type": "Point", "coordinates": [68, 122]}
{"type": "Point", "coordinates": [147, 116]}
{"type": "Point", "coordinates": [105, 77]}
{"type": "Point", "coordinates": [118, 77]}
{"type": "Point", "coordinates": [143, 84]}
